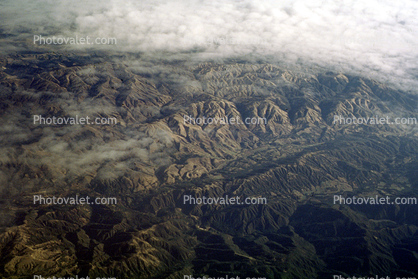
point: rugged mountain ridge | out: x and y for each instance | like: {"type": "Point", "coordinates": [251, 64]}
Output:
{"type": "Point", "coordinates": [151, 158]}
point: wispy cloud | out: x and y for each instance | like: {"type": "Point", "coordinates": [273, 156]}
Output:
{"type": "Point", "coordinates": [377, 38]}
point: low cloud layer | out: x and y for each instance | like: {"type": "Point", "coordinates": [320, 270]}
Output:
{"type": "Point", "coordinates": [374, 38]}
{"type": "Point", "coordinates": [65, 153]}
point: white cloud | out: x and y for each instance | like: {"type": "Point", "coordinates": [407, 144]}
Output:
{"type": "Point", "coordinates": [374, 37]}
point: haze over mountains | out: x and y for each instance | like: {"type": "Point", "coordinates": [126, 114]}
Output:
{"type": "Point", "coordinates": [152, 158]}
{"type": "Point", "coordinates": [375, 38]}
{"type": "Point", "coordinates": [295, 64]}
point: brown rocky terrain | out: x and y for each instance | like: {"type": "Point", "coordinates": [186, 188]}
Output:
{"type": "Point", "coordinates": [151, 158]}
